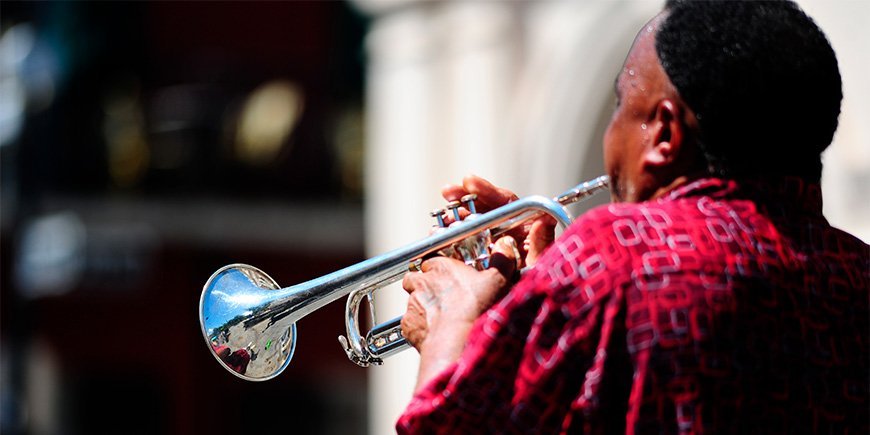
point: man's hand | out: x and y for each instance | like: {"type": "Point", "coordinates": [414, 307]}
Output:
{"type": "Point", "coordinates": [445, 300]}
{"type": "Point", "coordinates": [535, 235]}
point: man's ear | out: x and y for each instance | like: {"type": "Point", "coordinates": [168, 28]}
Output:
{"type": "Point", "coordinates": [666, 135]}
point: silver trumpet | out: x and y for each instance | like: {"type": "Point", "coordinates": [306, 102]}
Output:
{"type": "Point", "coordinates": [249, 322]}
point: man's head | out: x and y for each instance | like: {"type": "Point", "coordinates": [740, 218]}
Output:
{"type": "Point", "coordinates": [733, 89]}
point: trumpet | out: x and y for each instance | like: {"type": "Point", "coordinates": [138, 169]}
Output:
{"type": "Point", "coordinates": [249, 321]}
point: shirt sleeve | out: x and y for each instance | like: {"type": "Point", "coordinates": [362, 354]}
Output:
{"type": "Point", "coordinates": [535, 361]}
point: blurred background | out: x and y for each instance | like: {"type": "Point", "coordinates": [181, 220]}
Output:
{"type": "Point", "coordinates": [143, 145]}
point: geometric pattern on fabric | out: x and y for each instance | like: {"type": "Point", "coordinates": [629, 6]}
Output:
{"type": "Point", "coordinates": [720, 308]}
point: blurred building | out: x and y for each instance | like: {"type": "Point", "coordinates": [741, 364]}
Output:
{"type": "Point", "coordinates": [145, 145]}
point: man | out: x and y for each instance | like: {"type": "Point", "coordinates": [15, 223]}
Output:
{"type": "Point", "coordinates": [712, 296]}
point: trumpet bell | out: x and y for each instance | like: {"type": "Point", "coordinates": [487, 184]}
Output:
{"type": "Point", "coordinates": [238, 323]}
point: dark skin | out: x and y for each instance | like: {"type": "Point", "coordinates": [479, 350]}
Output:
{"type": "Point", "coordinates": [649, 150]}
{"type": "Point", "coordinates": [649, 145]}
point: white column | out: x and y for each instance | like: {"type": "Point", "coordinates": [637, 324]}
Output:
{"type": "Point", "coordinates": [563, 99]}
{"type": "Point", "coordinates": [439, 78]}
{"type": "Point", "coordinates": [403, 129]}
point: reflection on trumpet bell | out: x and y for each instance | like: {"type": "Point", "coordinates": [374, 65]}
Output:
{"type": "Point", "coordinates": [249, 322]}
{"type": "Point", "coordinates": [245, 335]}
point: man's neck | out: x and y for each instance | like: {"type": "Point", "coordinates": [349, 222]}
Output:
{"type": "Point", "coordinates": [675, 183]}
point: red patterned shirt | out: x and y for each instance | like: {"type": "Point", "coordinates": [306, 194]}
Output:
{"type": "Point", "coordinates": [721, 308]}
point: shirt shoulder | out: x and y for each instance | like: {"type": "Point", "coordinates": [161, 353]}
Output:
{"type": "Point", "coordinates": [587, 259]}
{"type": "Point", "coordinates": [628, 225]}
{"type": "Point", "coordinates": [603, 247]}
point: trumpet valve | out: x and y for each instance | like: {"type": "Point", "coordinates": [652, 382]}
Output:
{"type": "Point", "coordinates": [440, 226]}
{"type": "Point", "coordinates": [438, 214]}
{"type": "Point", "coordinates": [454, 207]}
{"type": "Point", "coordinates": [468, 201]}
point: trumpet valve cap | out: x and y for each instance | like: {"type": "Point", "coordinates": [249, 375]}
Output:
{"type": "Point", "coordinates": [438, 214]}
{"type": "Point", "coordinates": [469, 201]}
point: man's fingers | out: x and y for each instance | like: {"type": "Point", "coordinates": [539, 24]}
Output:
{"type": "Point", "coordinates": [505, 257]}
{"type": "Point", "coordinates": [409, 282]}
{"type": "Point", "coordinates": [449, 218]}
{"type": "Point", "coordinates": [541, 235]}
{"type": "Point", "coordinates": [453, 192]}
{"type": "Point", "coordinates": [414, 326]}
{"type": "Point", "coordinates": [413, 281]}
{"type": "Point", "coordinates": [488, 195]}
{"type": "Point", "coordinates": [436, 264]}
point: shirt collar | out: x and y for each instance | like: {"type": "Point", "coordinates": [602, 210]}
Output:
{"type": "Point", "coordinates": [776, 196]}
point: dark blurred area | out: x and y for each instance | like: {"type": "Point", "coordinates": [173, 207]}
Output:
{"type": "Point", "coordinates": [143, 145]}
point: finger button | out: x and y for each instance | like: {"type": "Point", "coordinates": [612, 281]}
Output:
{"type": "Point", "coordinates": [454, 207]}
{"type": "Point", "coordinates": [468, 200]}
{"type": "Point", "coordinates": [438, 214]}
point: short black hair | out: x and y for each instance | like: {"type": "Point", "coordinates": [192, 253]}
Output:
{"type": "Point", "coordinates": [762, 79]}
